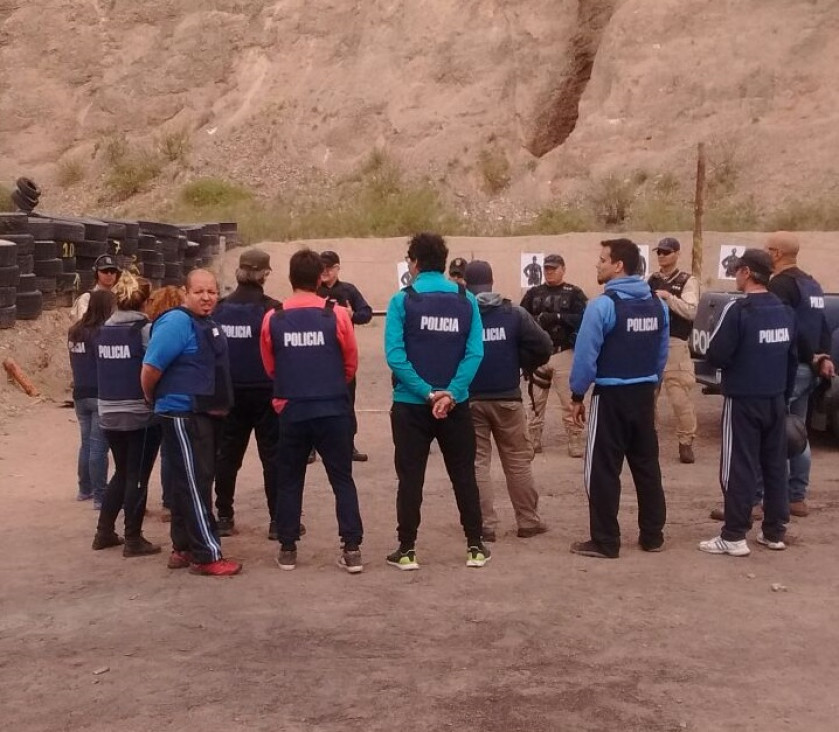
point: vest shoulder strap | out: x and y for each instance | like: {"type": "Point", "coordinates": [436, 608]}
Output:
{"type": "Point", "coordinates": [329, 308]}
{"type": "Point", "coordinates": [278, 310]}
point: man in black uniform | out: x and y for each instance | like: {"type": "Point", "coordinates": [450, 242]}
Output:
{"type": "Point", "coordinates": [622, 349]}
{"type": "Point", "coordinates": [348, 296]}
{"type": "Point", "coordinates": [754, 346]}
{"type": "Point", "coordinates": [533, 273]}
{"type": "Point", "coordinates": [558, 307]}
{"type": "Point", "coordinates": [240, 316]}
{"type": "Point", "coordinates": [804, 295]}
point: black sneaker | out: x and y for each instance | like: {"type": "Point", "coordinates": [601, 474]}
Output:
{"type": "Point", "coordinates": [358, 457]}
{"type": "Point", "coordinates": [590, 549]}
{"type": "Point", "coordinates": [403, 558]}
{"type": "Point", "coordinates": [225, 526]}
{"type": "Point", "coordinates": [477, 555]}
{"type": "Point", "coordinates": [140, 547]}
{"type": "Point", "coordinates": [106, 541]}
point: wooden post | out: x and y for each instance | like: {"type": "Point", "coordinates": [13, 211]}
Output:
{"type": "Point", "coordinates": [16, 374]}
{"type": "Point", "coordinates": [698, 210]}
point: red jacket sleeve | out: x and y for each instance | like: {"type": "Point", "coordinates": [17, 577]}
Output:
{"type": "Point", "coordinates": [266, 348]}
{"type": "Point", "coordinates": [346, 339]}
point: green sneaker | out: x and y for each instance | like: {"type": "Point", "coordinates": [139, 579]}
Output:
{"type": "Point", "coordinates": [477, 556]}
{"type": "Point", "coordinates": [405, 560]}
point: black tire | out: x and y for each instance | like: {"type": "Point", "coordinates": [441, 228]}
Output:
{"type": "Point", "coordinates": [8, 253]}
{"type": "Point", "coordinates": [68, 264]}
{"type": "Point", "coordinates": [174, 270]}
{"type": "Point", "coordinates": [86, 280]}
{"type": "Point", "coordinates": [45, 250]}
{"type": "Point", "coordinates": [26, 283]}
{"type": "Point", "coordinates": [42, 229]}
{"type": "Point", "coordinates": [28, 187]}
{"type": "Point", "coordinates": [68, 231]}
{"type": "Point", "coordinates": [171, 250]}
{"type": "Point", "coordinates": [156, 284]}
{"type": "Point", "coordinates": [176, 281]}
{"type": "Point", "coordinates": [45, 284]}
{"type": "Point", "coordinates": [92, 249]}
{"type": "Point", "coordinates": [153, 270]}
{"type": "Point", "coordinates": [131, 229]}
{"type": "Point", "coordinates": [8, 295]}
{"type": "Point", "coordinates": [50, 300]}
{"type": "Point", "coordinates": [12, 223]}
{"type": "Point", "coordinates": [9, 276]}
{"type": "Point", "coordinates": [8, 316]}
{"type": "Point", "coordinates": [95, 230]}
{"type": "Point", "coordinates": [29, 305]}
{"type": "Point", "coordinates": [150, 255]}
{"type": "Point", "coordinates": [129, 247]}
{"type": "Point", "coordinates": [85, 264]}
{"type": "Point", "coordinates": [66, 249]}
{"type": "Point", "coordinates": [25, 242]}
{"type": "Point", "coordinates": [23, 202]}
{"type": "Point", "coordinates": [26, 262]}
{"type": "Point", "coordinates": [159, 229]}
{"type": "Point", "coordinates": [67, 282]}
{"type": "Point", "coordinates": [65, 299]}
{"type": "Point", "coordinates": [48, 267]}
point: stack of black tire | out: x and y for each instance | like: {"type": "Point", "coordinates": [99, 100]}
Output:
{"type": "Point", "coordinates": [15, 258]}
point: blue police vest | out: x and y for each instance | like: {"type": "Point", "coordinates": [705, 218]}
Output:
{"type": "Point", "coordinates": [203, 375]}
{"type": "Point", "coordinates": [499, 369]}
{"type": "Point", "coordinates": [809, 314]}
{"type": "Point", "coordinates": [308, 361]}
{"type": "Point", "coordinates": [766, 328]}
{"type": "Point", "coordinates": [436, 330]}
{"type": "Point", "coordinates": [119, 359]}
{"type": "Point", "coordinates": [83, 366]}
{"type": "Point", "coordinates": [630, 350]}
{"type": "Point", "coordinates": [241, 323]}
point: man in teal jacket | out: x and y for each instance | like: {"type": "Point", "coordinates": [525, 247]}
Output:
{"type": "Point", "coordinates": [433, 346]}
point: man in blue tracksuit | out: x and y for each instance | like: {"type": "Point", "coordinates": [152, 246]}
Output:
{"type": "Point", "coordinates": [434, 346]}
{"type": "Point", "coordinates": [754, 345]}
{"type": "Point", "coordinates": [622, 348]}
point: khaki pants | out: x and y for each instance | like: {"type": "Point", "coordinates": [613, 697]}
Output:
{"type": "Point", "coordinates": [560, 368]}
{"type": "Point", "coordinates": [678, 381]}
{"type": "Point", "coordinates": [505, 421]}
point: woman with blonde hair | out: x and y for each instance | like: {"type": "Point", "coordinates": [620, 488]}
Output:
{"type": "Point", "coordinates": [124, 416]}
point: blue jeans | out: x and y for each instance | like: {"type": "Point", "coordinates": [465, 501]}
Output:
{"type": "Point", "coordinates": [93, 451]}
{"type": "Point", "coordinates": [799, 466]}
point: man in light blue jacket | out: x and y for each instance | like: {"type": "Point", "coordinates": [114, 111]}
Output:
{"type": "Point", "coordinates": [622, 349]}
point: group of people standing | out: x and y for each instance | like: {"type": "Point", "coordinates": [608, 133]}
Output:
{"type": "Point", "coordinates": [209, 372]}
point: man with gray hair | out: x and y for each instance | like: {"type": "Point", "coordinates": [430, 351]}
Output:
{"type": "Point", "coordinates": [240, 316]}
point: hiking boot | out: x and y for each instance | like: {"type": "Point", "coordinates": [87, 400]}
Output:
{"type": "Point", "coordinates": [477, 555]}
{"type": "Point", "coordinates": [350, 560]}
{"type": "Point", "coordinates": [226, 526]}
{"type": "Point", "coordinates": [777, 546]}
{"type": "Point", "coordinates": [591, 549]}
{"type": "Point", "coordinates": [799, 508]}
{"type": "Point", "coordinates": [179, 560]}
{"type": "Point", "coordinates": [287, 558]}
{"type": "Point", "coordinates": [106, 541]}
{"type": "Point", "coordinates": [358, 457]}
{"type": "Point", "coordinates": [527, 532]}
{"type": "Point", "coordinates": [576, 447]}
{"type": "Point", "coordinates": [718, 545]}
{"type": "Point", "coordinates": [686, 454]}
{"type": "Point", "coordinates": [403, 558]}
{"type": "Point", "coordinates": [272, 531]}
{"type": "Point", "coordinates": [139, 547]}
{"type": "Point", "coordinates": [219, 568]}
{"type": "Point", "coordinates": [488, 535]}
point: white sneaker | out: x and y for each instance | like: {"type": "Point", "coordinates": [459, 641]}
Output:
{"type": "Point", "coordinates": [718, 545]}
{"type": "Point", "coordinates": [777, 546]}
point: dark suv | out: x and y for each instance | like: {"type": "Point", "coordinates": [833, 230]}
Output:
{"type": "Point", "coordinates": [711, 305]}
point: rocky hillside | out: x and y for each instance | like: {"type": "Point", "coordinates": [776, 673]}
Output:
{"type": "Point", "coordinates": [529, 100]}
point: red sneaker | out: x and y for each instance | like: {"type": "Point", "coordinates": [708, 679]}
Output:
{"type": "Point", "coordinates": [219, 568]}
{"type": "Point", "coordinates": [179, 560]}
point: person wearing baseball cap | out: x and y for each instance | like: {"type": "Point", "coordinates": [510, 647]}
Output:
{"type": "Point", "coordinates": [679, 290]}
{"type": "Point", "coordinates": [107, 272]}
{"type": "Point", "coordinates": [240, 316]}
{"type": "Point", "coordinates": [346, 295]}
{"type": "Point", "coordinates": [457, 270]}
{"type": "Point", "coordinates": [558, 307]}
{"type": "Point", "coordinates": [754, 346]}
{"type": "Point", "coordinates": [513, 341]}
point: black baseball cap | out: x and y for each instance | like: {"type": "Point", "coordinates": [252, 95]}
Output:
{"type": "Point", "coordinates": [104, 262]}
{"type": "Point", "coordinates": [554, 260]}
{"type": "Point", "coordinates": [668, 244]}
{"type": "Point", "coordinates": [757, 260]}
{"type": "Point", "coordinates": [478, 276]}
{"type": "Point", "coordinates": [329, 258]}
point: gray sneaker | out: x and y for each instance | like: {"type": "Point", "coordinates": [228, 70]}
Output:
{"type": "Point", "coordinates": [351, 561]}
{"type": "Point", "coordinates": [287, 559]}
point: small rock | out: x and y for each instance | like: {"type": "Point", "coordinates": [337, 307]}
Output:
{"type": "Point", "coordinates": [100, 671]}
{"type": "Point", "coordinates": [777, 587]}
{"type": "Point", "coordinates": [751, 575]}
